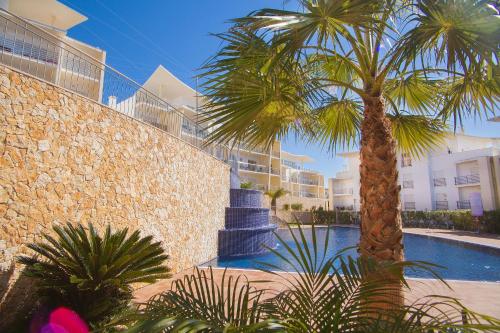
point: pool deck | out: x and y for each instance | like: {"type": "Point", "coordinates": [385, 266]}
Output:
{"type": "Point", "coordinates": [482, 297]}
{"type": "Point", "coordinates": [489, 240]}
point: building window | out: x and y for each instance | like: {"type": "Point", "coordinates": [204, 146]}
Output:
{"type": "Point", "coordinates": [405, 160]}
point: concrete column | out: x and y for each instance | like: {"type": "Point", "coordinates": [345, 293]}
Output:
{"type": "Point", "coordinates": [495, 172]}
{"type": "Point", "coordinates": [487, 184]}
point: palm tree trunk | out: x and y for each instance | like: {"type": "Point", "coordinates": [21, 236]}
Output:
{"type": "Point", "coordinates": [381, 228]}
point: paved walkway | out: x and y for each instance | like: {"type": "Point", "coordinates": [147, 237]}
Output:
{"type": "Point", "coordinates": [482, 297]}
{"type": "Point", "coordinates": [463, 236]}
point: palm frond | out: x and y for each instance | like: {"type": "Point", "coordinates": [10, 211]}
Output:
{"type": "Point", "coordinates": [415, 92]}
{"type": "Point", "coordinates": [250, 101]}
{"type": "Point", "coordinates": [451, 32]}
{"type": "Point", "coordinates": [322, 23]}
{"type": "Point", "coordinates": [467, 96]}
{"type": "Point", "coordinates": [416, 134]}
{"type": "Point", "coordinates": [197, 302]}
{"type": "Point", "coordinates": [337, 123]}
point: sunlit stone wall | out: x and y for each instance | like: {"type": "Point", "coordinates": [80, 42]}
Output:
{"type": "Point", "coordinates": [64, 158]}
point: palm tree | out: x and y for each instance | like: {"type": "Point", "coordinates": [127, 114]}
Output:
{"type": "Point", "coordinates": [275, 195]}
{"type": "Point", "coordinates": [387, 74]}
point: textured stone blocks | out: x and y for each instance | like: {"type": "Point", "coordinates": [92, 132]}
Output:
{"type": "Point", "coordinates": [64, 158]}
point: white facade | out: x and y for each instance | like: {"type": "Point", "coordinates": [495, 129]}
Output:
{"type": "Point", "coordinates": [443, 179]}
{"type": "Point", "coordinates": [44, 50]}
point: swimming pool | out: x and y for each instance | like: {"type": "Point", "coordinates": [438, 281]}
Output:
{"type": "Point", "coordinates": [462, 261]}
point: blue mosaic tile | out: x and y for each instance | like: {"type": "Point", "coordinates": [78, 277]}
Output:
{"type": "Point", "coordinates": [247, 229]}
{"type": "Point", "coordinates": [246, 242]}
{"type": "Point", "coordinates": [245, 198]}
{"type": "Point", "coordinates": [246, 217]}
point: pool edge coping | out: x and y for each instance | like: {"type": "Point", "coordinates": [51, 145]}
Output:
{"type": "Point", "coordinates": [288, 272]}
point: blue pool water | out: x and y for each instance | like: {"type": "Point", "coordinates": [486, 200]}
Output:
{"type": "Point", "coordinates": [462, 261]}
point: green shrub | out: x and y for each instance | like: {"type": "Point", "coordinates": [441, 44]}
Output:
{"type": "Point", "coordinates": [286, 207]}
{"type": "Point", "coordinates": [451, 219]}
{"type": "Point", "coordinates": [332, 217]}
{"type": "Point", "coordinates": [491, 221]}
{"type": "Point", "coordinates": [91, 274]}
{"type": "Point", "coordinates": [296, 206]}
{"type": "Point", "coordinates": [246, 185]}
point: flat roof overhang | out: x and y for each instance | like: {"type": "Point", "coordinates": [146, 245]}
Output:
{"type": "Point", "coordinates": [49, 12]}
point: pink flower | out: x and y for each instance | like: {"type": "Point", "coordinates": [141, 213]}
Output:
{"type": "Point", "coordinates": [64, 320]}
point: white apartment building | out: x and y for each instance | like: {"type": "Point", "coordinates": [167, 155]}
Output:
{"type": "Point", "coordinates": [266, 169]}
{"type": "Point", "coordinates": [274, 169]}
{"type": "Point", "coordinates": [443, 179]}
{"type": "Point", "coordinates": [44, 49]}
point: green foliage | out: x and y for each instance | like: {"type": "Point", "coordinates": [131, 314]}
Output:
{"type": "Point", "coordinates": [491, 221]}
{"type": "Point", "coordinates": [275, 195]}
{"type": "Point", "coordinates": [447, 219]}
{"type": "Point", "coordinates": [296, 206]}
{"type": "Point", "coordinates": [309, 71]}
{"type": "Point", "coordinates": [286, 207]}
{"type": "Point", "coordinates": [197, 303]}
{"type": "Point", "coordinates": [93, 274]}
{"type": "Point", "coordinates": [246, 185]}
{"type": "Point", "coordinates": [332, 294]}
{"type": "Point", "coordinates": [325, 217]}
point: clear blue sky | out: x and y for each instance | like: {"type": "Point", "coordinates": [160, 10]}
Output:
{"type": "Point", "coordinates": [140, 35]}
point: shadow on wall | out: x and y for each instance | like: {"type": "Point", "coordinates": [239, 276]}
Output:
{"type": "Point", "coordinates": [17, 302]}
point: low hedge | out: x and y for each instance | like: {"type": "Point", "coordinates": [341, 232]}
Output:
{"type": "Point", "coordinates": [328, 217]}
{"type": "Point", "coordinates": [445, 219]}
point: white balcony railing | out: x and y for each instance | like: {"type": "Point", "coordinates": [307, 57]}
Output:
{"type": "Point", "coordinates": [342, 191]}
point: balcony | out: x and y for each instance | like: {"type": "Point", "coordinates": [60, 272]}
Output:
{"type": "Point", "coordinates": [257, 150]}
{"type": "Point", "coordinates": [439, 182]}
{"type": "Point", "coordinates": [407, 183]}
{"type": "Point", "coordinates": [343, 175]}
{"type": "Point", "coordinates": [275, 171]}
{"type": "Point", "coordinates": [253, 167]}
{"type": "Point", "coordinates": [304, 194]}
{"type": "Point", "coordinates": [191, 129]}
{"type": "Point", "coordinates": [342, 191]}
{"type": "Point", "coordinates": [463, 204]}
{"type": "Point", "coordinates": [409, 205]}
{"type": "Point", "coordinates": [308, 182]}
{"type": "Point", "coordinates": [347, 207]}
{"type": "Point", "coordinates": [18, 47]}
{"type": "Point", "coordinates": [308, 195]}
{"type": "Point", "coordinates": [259, 187]}
{"type": "Point", "coordinates": [441, 205]}
{"type": "Point", "coordinates": [469, 179]}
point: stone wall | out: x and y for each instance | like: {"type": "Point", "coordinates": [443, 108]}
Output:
{"type": "Point", "coordinates": [64, 158]}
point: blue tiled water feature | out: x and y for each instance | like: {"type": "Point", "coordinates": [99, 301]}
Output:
{"type": "Point", "coordinates": [247, 230]}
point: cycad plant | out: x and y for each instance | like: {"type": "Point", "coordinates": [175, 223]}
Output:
{"type": "Point", "coordinates": [93, 274]}
{"type": "Point", "coordinates": [322, 294]}
{"type": "Point", "coordinates": [384, 73]}
{"type": "Point", "coordinates": [274, 196]}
